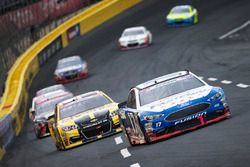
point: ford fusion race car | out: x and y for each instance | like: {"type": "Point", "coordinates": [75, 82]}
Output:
{"type": "Point", "coordinates": [169, 105]}
{"type": "Point", "coordinates": [71, 69]}
{"type": "Point", "coordinates": [44, 108]}
{"type": "Point", "coordinates": [182, 15]}
{"type": "Point", "coordinates": [135, 37]}
{"type": "Point", "coordinates": [84, 118]}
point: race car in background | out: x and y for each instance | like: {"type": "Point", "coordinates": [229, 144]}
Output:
{"type": "Point", "coordinates": [71, 69]}
{"type": "Point", "coordinates": [135, 37]}
{"type": "Point", "coordinates": [82, 119]}
{"type": "Point", "coordinates": [169, 105]}
{"type": "Point", "coordinates": [44, 108]}
{"type": "Point", "coordinates": [182, 15]}
{"type": "Point", "coordinates": [43, 94]}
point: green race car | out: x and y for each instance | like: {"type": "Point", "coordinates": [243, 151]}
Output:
{"type": "Point", "coordinates": [182, 15]}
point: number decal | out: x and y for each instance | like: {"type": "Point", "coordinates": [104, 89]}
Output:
{"type": "Point", "coordinates": [158, 124]}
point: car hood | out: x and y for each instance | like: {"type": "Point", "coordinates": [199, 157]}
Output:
{"type": "Point", "coordinates": [70, 68]}
{"type": "Point", "coordinates": [44, 115]}
{"type": "Point", "coordinates": [93, 115]}
{"type": "Point", "coordinates": [133, 37]}
{"type": "Point", "coordinates": [179, 100]}
{"type": "Point", "coordinates": [179, 16]}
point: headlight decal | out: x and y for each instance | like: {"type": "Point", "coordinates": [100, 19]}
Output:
{"type": "Point", "coordinates": [69, 128]}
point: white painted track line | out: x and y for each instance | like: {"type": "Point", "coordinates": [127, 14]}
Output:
{"type": "Point", "coordinates": [234, 30]}
{"type": "Point", "coordinates": [212, 79]}
{"type": "Point", "coordinates": [201, 77]}
{"type": "Point", "coordinates": [125, 153]}
{"type": "Point", "coordinates": [118, 140]}
{"type": "Point", "coordinates": [135, 165]}
{"type": "Point", "coordinates": [241, 85]}
{"type": "Point", "coordinates": [226, 82]}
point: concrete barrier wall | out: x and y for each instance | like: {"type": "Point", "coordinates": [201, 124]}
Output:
{"type": "Point", "coordinates": [15, 99]}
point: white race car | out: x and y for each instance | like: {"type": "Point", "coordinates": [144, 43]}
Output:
{"type": "Point", "coordinates": [135, 37]}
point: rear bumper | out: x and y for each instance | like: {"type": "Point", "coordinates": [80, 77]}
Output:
{"type": "Point", "coordinates": [64, 80]}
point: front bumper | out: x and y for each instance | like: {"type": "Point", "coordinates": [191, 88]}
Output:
{"type": "Point", "coordinates": [79, 140]}
{"type": "Point", "coordinates": [134, 45]}
{"type": "Point", "coordinates": [180, 22]}
{"type": "Point", "coordinates": [168, 132]}
{"type": "Point", "coordinates": [67, 79]}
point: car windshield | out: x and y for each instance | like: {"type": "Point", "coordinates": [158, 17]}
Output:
{"type": "Point", "coordinates": [50, 89]}
{"type": "Point", "coordinates": [69, 63]}
{"type": "Point", "coordinates": [49, 106]}
{"type": "Point", "coordinates": [133, 32]}
{"type": "Point", "coordinates": [168, 88]}
{"type": "Point", "coordinates": [180, 10]}
{"type": "Point", "coordinates": [83, 105]}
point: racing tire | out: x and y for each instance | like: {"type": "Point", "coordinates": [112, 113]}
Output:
{"type": "Point", "coordinates": [38, 133]}
{"type": "Point", "coordinates": [59, 146]}
{"type": "Point", "coordinates": [129, 139]}
{"type": "Point", "coordinates": [196, 19]}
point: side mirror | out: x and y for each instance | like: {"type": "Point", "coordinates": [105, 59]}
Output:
{"type": "Point", "coordinates": [51, 117]}
{"type": "Point", "coordinates": [122, 104]}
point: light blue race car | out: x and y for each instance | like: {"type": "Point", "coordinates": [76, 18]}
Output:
{"type": "Point", "coordinates": [169, 105]}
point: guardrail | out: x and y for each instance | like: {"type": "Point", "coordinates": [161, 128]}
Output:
{"type": "Point", "coordinates": [15, 99]}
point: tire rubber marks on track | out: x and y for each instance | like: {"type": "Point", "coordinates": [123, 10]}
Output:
{"type": "Point", "coordinates": [234, 30]}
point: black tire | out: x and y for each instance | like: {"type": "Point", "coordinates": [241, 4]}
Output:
{"type": "Point", "coordinates": [129, 139]}
{"type": "Point", "coordinates": [60, 146]}
{"type": "Point", "coordinates": [38, 133]}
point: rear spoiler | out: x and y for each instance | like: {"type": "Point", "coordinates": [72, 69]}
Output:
{"type": "Point", "coordinates": [122, 104]}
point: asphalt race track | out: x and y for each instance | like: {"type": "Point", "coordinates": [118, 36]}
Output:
{"type": "Point", "coordinates": [224, 63]}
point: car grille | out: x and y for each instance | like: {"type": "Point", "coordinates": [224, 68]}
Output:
{"type": "Point", "coordinates": [213, 115]}
{"type": "Point", "coordinates": [187, 111]}
{"type": "Point", "coordinates": [96, 130]}
{"type": "Point", "coordinates": [133, 45]}
{"type": "Point", "coordinates": [89, 128]}
{"type": "Point", "coordinates": [70, 74]}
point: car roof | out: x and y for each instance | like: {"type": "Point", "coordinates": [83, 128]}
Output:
{"type": "Point", "coordinates": [50, 88]}
{"type": "Point", "coordinates": [52, 96]}
{"type": "Point", "coordinates": [134, 28]}
{"type": "Point", "coordinates": [162, 79]}
{"type": "Point", "coordinates": [81, 97]}
{"type": "Point", "coordinates": [71, 58]}
{"type": "Point", "coordinates": [181, 6]}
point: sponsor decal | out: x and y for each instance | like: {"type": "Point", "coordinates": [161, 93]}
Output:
{"type": "Point", "coordinates": [73, 32]}
{"type": "Point", "coordinates": [190, 118]}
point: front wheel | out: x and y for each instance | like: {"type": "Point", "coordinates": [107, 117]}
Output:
{"type": "Point", "coordinates": [196, 19]}
{"type": "Point", "coordinates": [59, 146]}
{"type": "Point", "coordinates": [38, 133]}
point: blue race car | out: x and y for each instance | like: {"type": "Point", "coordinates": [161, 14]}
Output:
{"type": "Point", "coordinates": [182, 15]}
{"type": "Point", "coordinates": [169, 105]}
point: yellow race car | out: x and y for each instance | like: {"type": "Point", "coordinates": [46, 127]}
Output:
{"type": "Point", "coordinates": [83, 119]}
